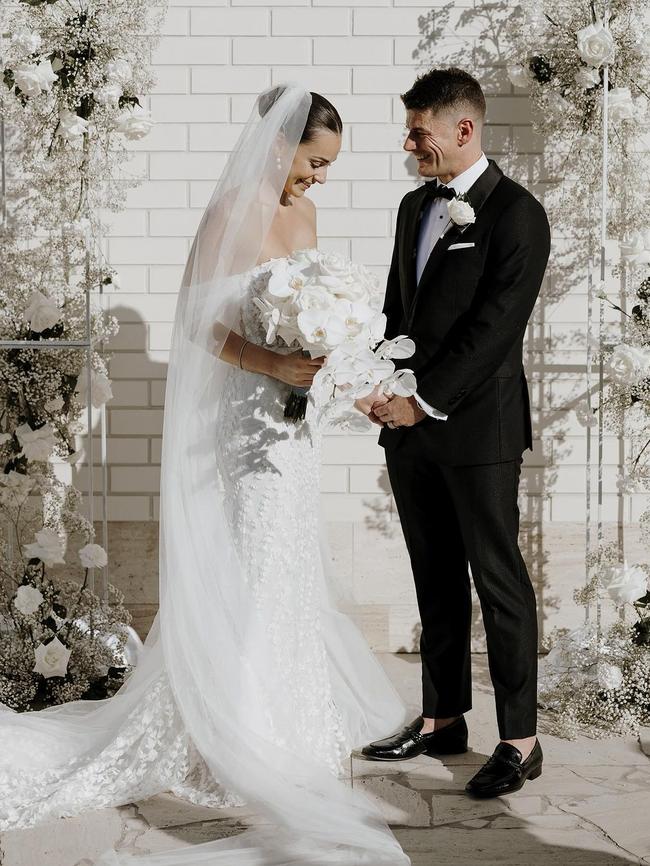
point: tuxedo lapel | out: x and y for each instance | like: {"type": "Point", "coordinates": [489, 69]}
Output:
{"type": "Point", "coordinates": [410, 245]}
{"type": "Point", "coordinates": [477, 195]}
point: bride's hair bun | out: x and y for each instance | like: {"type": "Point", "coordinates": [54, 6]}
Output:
{"type": "Point", "coordinates": [267, 100]}
{"type": "Point", "coordinates": [322, 114]}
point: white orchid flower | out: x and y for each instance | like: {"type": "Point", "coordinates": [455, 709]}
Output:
{"type": "Point", "coordinates": [285, 280]}
{"type": "Point", "coordinates": [402, 383]}
{"type": "Point", "coordinates": [377, 327]}
{"type": "Point", "coordinates": [398, 347]}
{"type": "Point", "coordinates": [322, 328]}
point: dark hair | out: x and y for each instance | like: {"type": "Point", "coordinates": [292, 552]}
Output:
{"type": "Point", "coordinates": [322, 114]}
{"type": "Point", "coordinates": [439, 89]}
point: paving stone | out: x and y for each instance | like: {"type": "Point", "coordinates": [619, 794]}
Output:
{"type": "Point", "coordinates": [166, 810]}
{"type": "Point", "coordinates": [589, 807]}
{"type": "Point", "coordinates": [397, 803]}
{"type": "Point", "coordinates": [171, 838]}
{"type": "Point", "coordinates": [623, 817]}
{"type": "Point", "coordinates": [532, 846]}
{"type": "Point", "coordinates": [64, 842]}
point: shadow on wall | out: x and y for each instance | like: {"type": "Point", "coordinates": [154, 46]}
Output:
{"type": "Point", "coordinates": [134, 433]}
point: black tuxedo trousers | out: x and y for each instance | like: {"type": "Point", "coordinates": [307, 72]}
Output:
{"type": "Point", "coordinates": [456, 482]}
{"type": "Point", "coordinates": [452, 516]}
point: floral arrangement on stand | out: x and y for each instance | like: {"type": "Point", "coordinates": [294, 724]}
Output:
{"type": "Point", "coordinates": [597, 678]}
{"type": "Point", "coordinates": [72, 75]}
{"type": "Point", "coordinates": [330, 307]}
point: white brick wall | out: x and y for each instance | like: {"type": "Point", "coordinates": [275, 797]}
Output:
{"type": "Point", "coordinates": [212, 61]}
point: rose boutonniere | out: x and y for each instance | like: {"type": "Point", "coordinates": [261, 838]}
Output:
{"type": "Point", "coordinates": [461, 211]}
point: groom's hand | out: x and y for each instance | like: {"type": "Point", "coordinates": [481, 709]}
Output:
{"type": "Point", "coordinates": [399, 412]}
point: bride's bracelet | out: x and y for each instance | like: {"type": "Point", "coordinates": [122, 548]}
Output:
{"type": "Point", "coordinates": [241, 352]}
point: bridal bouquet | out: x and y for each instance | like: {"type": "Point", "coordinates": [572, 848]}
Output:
{"type": "Point", "coordinates": [330, 306]}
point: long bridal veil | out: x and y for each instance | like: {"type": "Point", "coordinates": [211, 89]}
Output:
{"type": "Point", "coordinates": [209, 643]}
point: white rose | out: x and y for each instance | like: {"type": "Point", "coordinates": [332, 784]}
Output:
{"type": "Point", "coordinates": [635, 248]}
{"type": "Point", "coordinates": [585, 414]}
{"type": "Point", "coordinates": [306, 257]}
{"type": "Point", "coordinates": [14, 488]}
{"type": "Point", "coordinates": [626, 484]}
{"type": "Point", "coordinates": [624, 583]}
{"type": "Point", "coordinates": [314, 297]}
{"type": "Point", "coordinates": [519, 75]}
{"type": "Point", "coordinates": [32, 78]}
{"type": "Point", "coordinates": [71, 126]}
{"type": "Point", "coordinates": [36, 444]}
{"type": "Point", "coordinates": [587, 77]}
{"type": "Point", "coordinates": [582, 638]}
{"type": "Point", "coordinates": [41, 313]}
{"type": "Point", "coordinates": [609, 677]}
{"type": "Point", "coordinates": [118, 70]}
{"type": "Point", "coordinates": [595, 44]}
{"type": "Point", "coordinates": [54, 405]}
{"type": "Point", "coordinates": [28, 599]}
{"type": "Point", "coordinates": [334, 265]}
{"type": "Point", "coordinates": [48, 547]}
{"type": "Point", "coordinates": [627, 364]}
{"type": "Point", "coordinates": [93, 556]}
{"type": "Point", "coordinates": [100, 387]}
{"type": "Point", "coordinates": [108, 94]}
{"type": "Point", "coordinates": [134, 123]}
{"type": "Point", "coordinates": [26, 42]}
{"type": "Point", "coordinates": [27, 79]}
{"type": "Point", "coordinates": [621, 104]}
{"type": "Point", "coordinates": [460, 212]}
{"type": "Point", "coordinates": [52, 659]}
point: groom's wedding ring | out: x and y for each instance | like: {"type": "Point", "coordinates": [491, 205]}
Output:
{"type": "Point", "coordinates": [390, 424]}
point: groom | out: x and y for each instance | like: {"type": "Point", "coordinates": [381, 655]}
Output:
{"type": "Point", "coordinates": [471, 248]}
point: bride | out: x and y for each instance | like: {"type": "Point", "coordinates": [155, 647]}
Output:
{"type": "Point", "coordinates": [252, 688]}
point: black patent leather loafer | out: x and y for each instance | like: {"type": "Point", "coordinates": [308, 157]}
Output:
{"type": "Point", "coordinates": [505, 772]}
{"type": "Point", "coordinates": [409, 742]}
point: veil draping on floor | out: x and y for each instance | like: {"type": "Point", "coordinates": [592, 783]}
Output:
{"type": "Point", "coordinates": [209, 641]}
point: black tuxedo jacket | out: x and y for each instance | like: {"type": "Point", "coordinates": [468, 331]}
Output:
{"type": "Point", "coordinates": [467, 317]}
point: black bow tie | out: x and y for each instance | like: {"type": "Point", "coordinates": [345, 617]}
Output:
{"type": "Point", "coordinates": [436, 190]}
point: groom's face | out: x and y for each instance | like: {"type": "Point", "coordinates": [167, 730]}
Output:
{"type": "Point", "coordinates": [432, 139]}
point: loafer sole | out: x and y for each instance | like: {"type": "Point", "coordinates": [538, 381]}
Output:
{"type": "Point", "coordinates": [431, 753]}
{"type": "Point", "coordinates": [486, 795]}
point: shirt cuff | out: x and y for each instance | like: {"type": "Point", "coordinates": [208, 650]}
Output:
{"type": "Point", "coordinates": [433, 413]}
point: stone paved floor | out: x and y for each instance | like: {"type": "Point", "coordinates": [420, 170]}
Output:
{"type": "Point", "coordinates": [590, 807]}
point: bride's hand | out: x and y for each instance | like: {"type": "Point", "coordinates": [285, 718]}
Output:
{"type": "Point", "coordinates": [366, 404]}
{"type": "Point", "coordinates": [296, 369]}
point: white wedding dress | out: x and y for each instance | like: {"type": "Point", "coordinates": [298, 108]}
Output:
{"type": "Point", "coordinates": [271, 469]}
{"type": "Point", "coordinates": [252, 687]}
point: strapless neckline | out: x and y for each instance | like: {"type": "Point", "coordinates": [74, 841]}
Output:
{"type": "Point", "coordinates": [262, 265]}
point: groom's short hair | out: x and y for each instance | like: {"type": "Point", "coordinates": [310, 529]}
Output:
{"type": "Point", "coordinates": [441, 89]}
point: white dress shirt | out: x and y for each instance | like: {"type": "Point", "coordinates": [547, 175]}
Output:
{"type": "Point", "coordinates": [432, 227]}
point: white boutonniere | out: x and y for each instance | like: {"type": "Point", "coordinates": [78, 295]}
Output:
{"type": "Point", "coordinates": [461, 211]}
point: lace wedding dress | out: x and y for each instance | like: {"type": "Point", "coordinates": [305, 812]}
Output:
{"type": "Point", "coordinates": [271, 468]}
{"type": "Point", "coordinates": [252, 687]}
